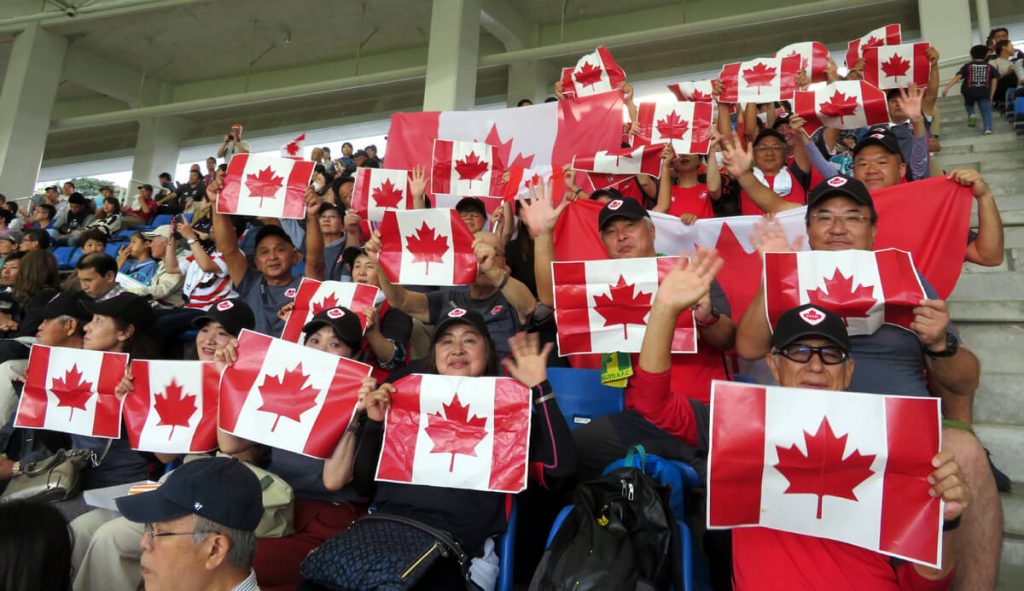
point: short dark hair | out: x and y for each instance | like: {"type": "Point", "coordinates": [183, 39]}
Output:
{"type": "Point", "coordinates": [100, 262]}
{"type": "Point", "coordinates": [97, 235]}
{"type": "Point", "coordinates": [3, 198]}
{"type": "Point", "coordinates": [1000, 45]}
{"type": "Point", "coordinates": [36, 554]}
{"type": "Point", "coordinates": [14, 256]}
{"type": "Point", "coordinates": [69, 183]}
{"type": "Point", "coordinates": [12, 206]}
{"type": "Point", "coordinates": [164, 175]}
{"type": "Point", "coordinates": [77, 198]}
{"type": "Point", "coordinates": [37, 235]}
{"type": "Point", "coordinates": [979, 52]}
{"type": "Point", "coordinates": [524, 102]}
{"type": "Point", "coordinates": [106, 188]}
{"type": "Point", "coordinates": [6, 215]}
{"type": "Point", "coordinates": [51, 211]}
{"type": "Point", "coordinates": [349, 144]}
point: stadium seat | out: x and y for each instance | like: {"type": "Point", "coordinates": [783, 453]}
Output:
{"type": "Point", "coordinates": [506, 550]}
{"type": "Point", "coordinates": [581, 395]}
{"type": "Point", "coordinates": [75, 257]}
{"type": "Point", "coordinates": [299, 269]}
{"type": "Point", "coordinates": [63, 256]}
{"type": "Point", "coordinates": [124, 235]}
{"type": "Point", "coordinates": [160, 220]}
{"type": "Point", "coordinates": [113, 247]}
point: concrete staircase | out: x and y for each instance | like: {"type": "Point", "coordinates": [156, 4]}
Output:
{"type": "Point", "coordinates": [988, 307]}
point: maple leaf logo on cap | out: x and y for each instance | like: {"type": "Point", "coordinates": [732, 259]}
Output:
{"type": "Point", "coordinates": [496, 310]}
{"type": "Point", "coordinates": [290, 292]}
{"type": "Point", "coordinates": [457, 313]}
{"type": "Point", "coordinates": [813, 316]}
{"type": "Point", "coordinates": [837, 181]}
{"type": "Point", "coordinates": [335, 313]}
{"type": "Point", "coordinates": [614, 205]}
{"type": "Point", "coordinates": [225, 305]}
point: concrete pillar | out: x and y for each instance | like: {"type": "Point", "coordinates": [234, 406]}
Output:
{"type": "Point", "coordinates": [452, 55]}
{"type": "Point", "coordinates": [946, 24]}
{"type": "Point", "coordinates": [26, 104]}
{"type": "Point", "coordinates": [157, 148]}
{"type": "Point", "coordinates": [984, 22]}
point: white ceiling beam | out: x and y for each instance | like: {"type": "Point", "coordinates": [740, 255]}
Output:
{"type": "Point", "coordinates": [103, 76]}
{"type": "Point", "coordinates": [92, 11]}
{"type": "Point", "coordinates": [503, 21]}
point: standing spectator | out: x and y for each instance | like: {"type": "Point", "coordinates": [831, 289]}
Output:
{"type": "Point", "coordinates": [233, 144]}
{"type": "Point", "coordinates": [1006, 62]}
{"type": "Point", "coordinates": [978, 85]}
{"type": "Point", "coordinates": [346, 161]}
{"type": "Point", "coordinates": [211, 170]}
{"type": "Point", "coordinates": [688, 198]}
{"type": "Point", "coordinates": [139, 210]}
{"type": "Point", "coordinates": [371, 157]}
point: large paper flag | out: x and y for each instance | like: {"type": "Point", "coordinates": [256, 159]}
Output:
{"type": "Point", "coordinates": [684, 124]}
{"type": "Point", "coordinates": [72, 391]}
{"type": "Point", "coordinates": [594, 73]}
{"type": "Point", "coordinates": [288, 396]}
{"type": "Point", "coordinates": [468, 169]}
{"type": "Point", "coordinates": [173, 408]}
{"type": "Point", "coordinates": [887, 35]}
{"type": "Point", "coordinates": [846, 104]}
{"type": "Point", "coordinates": [813, 56]}
{"type": "Point", "coordinates": [602, 306]}
{"type": "Point", "coordinates": [379, 189]}
{"type": "Point", "coordinates": [897, 66]}
{"type": "Point", "coordinates": [698, 91]}
{"type": "Point", "coordinates": [265, 185]}
{"type": "Point", "coordinates": [454, 432]}
{"type": "Point", "coordinates": [427, 247]}
{"type": "Point", "coordinates": [838, 465]}
{"type": "Point", "coordinates": [315, 296]}
{"type": "Point", "coordinates": [763, 80]}
{"type": "Point", "coordinates": [866, 288]}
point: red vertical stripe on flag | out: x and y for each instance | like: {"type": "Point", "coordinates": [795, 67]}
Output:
{"type": "Point", "coordinates": [361, 193]}
{"type": "Point", "coordinates": [390, 256]}
{"type": "Point", "coordinates": [737, 453]}
{"type": "Point", "coordinates": [205, 436]}
{"type": "Point", "coordinates": [107, 418]}
{"type": "Point", "coordinates": [572, 306]}
{"type": "Point", "coordinates": [464, 265]}
{"type": "Point", "coordinates": [33, 403]}
{"type": "Point", "coordinates": [441, 177]}
{"type": "Point", "coordinates": [398, 454]}
{"type": "Point", "coordinates": [700, 143]}
{"type": "Point", "coordinates": [729, 76]}
{"type": "Point", "coordinates": [910, 518]}
{"type": "Point", "coordinates": [805, 104]}
{"type": "Point", "coordinates": [782, 284]}
{"type": "Point", "coordinates": [511, 436]}
{"type": "Point", "coordinates": [237, 380]}
{"type": "Point", "coordinates": [229, 193]}
{"type": "Point", "coordinates": [876, 106]}
{"type": "Point", "coordinates": [137, 403]}
{"type": "Point", "coordinates": [295, 192]}
{"type": "Point", "coordinates": [899, 282]}
{"type": "Point", "coordinates": [336, 411]}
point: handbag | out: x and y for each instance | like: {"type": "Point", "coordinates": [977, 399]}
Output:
{"type": "Point", "coordinates": [57, 478]}
{"type": "Point", "coordinates": [381, 552]}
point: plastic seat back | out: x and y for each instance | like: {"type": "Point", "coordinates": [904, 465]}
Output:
{"type": "Point", "coordinates": [581, 395]}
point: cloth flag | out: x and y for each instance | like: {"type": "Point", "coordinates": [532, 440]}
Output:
{"type": "Point", "coordinates": [293, 149]}
{"type": "Point", "coordinates": [470, 433]}
{"type": "Point", "coordinates": [602, 306]}
{"type": "Point", "coordinates": [595, 72]}
{"type": "Point", "coordinates": [762, 80]}
{"type": "Point", "coordinates": [846, 104]}
{"type": "Point", "coordinates": [72, 391]}
{"type": "Point", "coordinates": [814, 58]}
{"type": "Point", "coordinates": [315, 296]}
{"type": "Point", "coordinates": [627, 162]}
{"type": "Point", "coordinates": [887, 35]}
{"type": "Point", "coordinates": [289, 396]}
{"type": "Point", "coordinates": [427, 247]}
{"type": "Point", "coordinates": [684, 124]}
{"type": "Point", "coordinates": [379, 189]}
{"type": "Point", "coordinates": [698, 91]}
{"type": "Point", "coordinates": [173, 408]}
{"type": "Point", "coordinates": [897, 66]}
{"type": "Point", "coordinates": [265, 185]}
{"type": "Point", "coordinates": [839, 465]}
{"type": "Point", "coordinates": [866, 288]}
{"type": "Point", "coordinates": [467, 169]}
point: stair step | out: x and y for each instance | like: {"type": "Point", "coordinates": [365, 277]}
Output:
{"type": "Point", "coordinates": [1003, 441]}
{"type": "Point", "coordinates": [1010, 576]}
{"type": "Point", "coordinates": [1013, 237]}
{"type": "Point", "coordinates": [996, 400]}
{"type": "Point", "coordinates": [988, 287]}
{"type": "Point", "coordinates": [987, 311]}
{"type": "Point", "coordinates": [981, 161]}
{"type": "Point", "coordinates": [984, 144]}
{"type": "Point", "coordinates": [1013, 509]}
{"type": "Point", "coordinates": [997, 345]}
{"type": "Point", "coordinates": [1012, 556]}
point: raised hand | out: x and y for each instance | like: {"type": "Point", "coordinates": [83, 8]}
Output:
{"type": "Point", "coordinates": [539, 214]}
{"type": "Point", "coordinates": [736, 159]}
{"type": "Point", "coordinates": [370, 313]}
{"type": "Point", "coordinates": [528, 363]}
{"type": "Point", "coordinates": [417, 182]}
{"type": "Point", "coordinates": [485, 254]}
{"type": "Point", "coordinates": [373, 246]}
{"type": "Point", "coordinates": [313, 202]}
{"type": "Point", "coordinates": [689, 281]}
{"type": "Point", "coordinates": [910, 101]}
{"type": "Point", "coordinates": [769, 236]}
{"type": "Point", "coordinates": [968, 177]}
{"type": "Point", "coordinates": [286, 311]}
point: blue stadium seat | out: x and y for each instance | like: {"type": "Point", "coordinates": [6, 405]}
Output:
{"type": "Point", "coordinates": [506, 550]}
{"type": "Point", "coordinates": [160, 220]}
{"type": "Point", "coordinates": [63, 255]}
{"type": "Point", "coordinates": [188, 217]}
{"type": "Point", "coordinates": [124, 235]}
{"type": "Point", "coordinates": [113, 247]}
{"type": "Point", "coordinates": [581, 395]}
{"type": "Point", "coordinates": [299, 269]}
{"type": "Point", "coordinates": [75, 257]}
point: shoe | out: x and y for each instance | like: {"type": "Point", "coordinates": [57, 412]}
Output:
{"type": "Point", "coordinates": [972, 121]}
{"type": "Point", "coordinates": [988, 132]}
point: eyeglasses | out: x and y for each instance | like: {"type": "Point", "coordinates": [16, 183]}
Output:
{"type": "Point", "coordinates": [153, 534]}
{"type": "Point", "coordinates": [769, 148]}
{"type": "Point", "coordinates": [828, 218]}
{"type": "Point", "coordinates": [829, 354]}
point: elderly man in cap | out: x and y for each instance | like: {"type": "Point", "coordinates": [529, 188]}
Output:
{"type": "Point", "coordinates": [233, 144]}
{"type": "Point", "coordinates": [199, 527]}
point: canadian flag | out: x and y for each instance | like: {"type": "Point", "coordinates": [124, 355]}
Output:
{"type": "Point", "coordinates": [427, 247]}
{"type": "Point", "coordinates": [72, 391]}
{"type": "Point", "coordinates": [596, 72]}
{"type": "Point", "coordinates": [684, 124]}
{"type": "Point", "coordinates": [315, 296]}
{"type": "Point", "coordinates": [293, 149]}
{"type": "Point", "coordinates": [698, 91]}
{"type": "Point", "coordinates": [455, 432]}
{"type": "Point", "coordinates": [173, 408]}
{"type": "Point", "coordinates": [897, 66]}
{"type": "Point", "coordinates": [846, 104]}
{"type": "Point", "coordinates": [838, 465]}
{"type": "Point", "coordinates": [763, 80]}
{"type": "Point", "coordinates": [265, 185]}
{"type": "Point", "coordinates": [644, 159]}
{"type": "Point", "coordinates": [887, 35]}
{"type": "Point", "coordinates": [288, 396]}
{"type": "Point", "coordinates": [813, 56]}
{"type": "Point", "coordinates": [379, 189]}
{"type": "Point", "coordinates": [467, 169]}
{"type": "Point", "coordinates": [602, 306]}
{"type": "Point", "coordinates": [866, 288]}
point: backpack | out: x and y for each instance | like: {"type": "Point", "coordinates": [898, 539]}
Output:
{"type": "Point", "coordinates": [619, 534]}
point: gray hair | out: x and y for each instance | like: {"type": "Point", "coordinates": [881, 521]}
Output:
{"type": "Point", "coordinates": [243, 543]}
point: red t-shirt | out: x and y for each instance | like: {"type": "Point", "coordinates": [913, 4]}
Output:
{"type": "Point", "coordinates": [650, 395]}
{"type": "Point", "coordinates": [768, 560]}
{"type": "Point", "coordinates": [695, 200]}
{"type": "Point", "coordinates": [797, 194]}
{"type": "Point", "coordinates": [631, 189]}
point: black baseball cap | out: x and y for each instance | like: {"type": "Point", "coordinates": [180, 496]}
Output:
{"type": "Point", "coordinates": [781, 120]}
{"type": "Point", "coordinates": [222, 490]}
{"type": "Point", "coordinates": [843, 186]}
{"type": "Point", "coordinates": [879, 137]}
{"type": "Point", "coordinates": [233, 315]}
{"type": "Point", "coordinates": [68, 303]}
{"type": "Point", "coordinates": [131, 308]}
{"type": "Point", "coordinates": [272, 230]}
{"type": "Point", "coordinates": [810, 320]}
{"type": "Point", "coordinates": [467, 204]}
{"type": "Point", "coordinates": [344, 322]}
{"type": "Point", "coordinates": [349, 255]}
{"type": "Point", "coordinates": [461, 316]}
{"type": "Point", "coordinates": [627, 208]}
{"type": "Point", "coordinates": [359, 153]}
{"type": "Point", "coordinates": [770, 133]}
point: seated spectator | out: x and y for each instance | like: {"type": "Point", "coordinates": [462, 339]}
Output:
{"type": "Point", "coordinates": [688, 198]}
{"type": "Point", "coordinates": [139, 210]}
{"type": "Point", "coordinates": [92, 241]}
{"type": "Point", "coordinates": [35, 239]}
{"type": "Point", "coordinates": [1006, 68]}
{"type": "Point", "coordinates": [97, 276]}
{"type": "Point", "coordinates": [43, 219]}
{"type": "Point", "coordinates": [35, 284]}
{"type": "Point", "coordinates": [79, 215]}
{"type": "Point", "coordinates": [135, 260]}
{"type": "Point", "coordinates": [163, 289]}
{"type": "Point", "coordinates": [9, 270]}
{"type": "Point", "coordinates": [212, 506]}
{"type": "Point", "coordinates": [15, 224]}
{"type": "Point", "coordinates": [385, 345]}
{"type": "Point", "coordinates": [107, 220]}
{"type": "Point", "coordinates": [8, 245]}
{"type": "Point", "coordinates": [35, 547]}
{"type": "Point", "coordinates": [189, 192]}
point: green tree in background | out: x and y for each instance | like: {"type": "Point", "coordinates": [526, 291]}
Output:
{"type": "Point", "coordinates": [90, 186]}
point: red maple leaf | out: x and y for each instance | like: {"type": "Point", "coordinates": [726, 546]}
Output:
{"type": "Point", "coordinates": [759, 75]}
{"type": "Point", "coordinates": [803, 60]}
{"type": "Point", "coordinates": [588, 75]}
{"type": "Point", "coordinates": [871, 42]}
{"type": "Point", "coordinates": [174, 409]}
{"type": "Point", "coordinates": [455, 432]}
{"type": "Point", "coordinates": [623, 307]}
{"type": "Point", "coordinates": [426, 246]}
{"type": "Point", "coordinates": [698, 96]}
{"type": "Point", "coordinates": [895, 66]}
{"type": "Point", "coordinates": [287, 396]}
{"type": "Point", "coordinates": [842, 298]}
{"type": "Point", "coordinates": [471, 168]}
{"type": "Point", "coordinates": [823, 471]}
{"type": "Point", "coordinates": [327, 303]}
{"type": "Point", "coordinates": [839, 106]}
{"type": "Point", "coordinates": [72, 391]}
{"type": "Point", "coordinates": [264, 184]}
{"type": "Point", "coordinates": [504, 150]}
{"type": "Point", "coordinates": [387, 194]}
{"type": "Point", "coordinates": [673, 126]}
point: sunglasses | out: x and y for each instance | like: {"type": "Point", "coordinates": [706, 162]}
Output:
{"type": "Point", "coordinates": [829, 354]}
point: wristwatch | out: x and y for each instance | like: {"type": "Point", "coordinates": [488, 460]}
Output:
{"type": "Point", "coordinates": [191, 241]}
{"type": "Point", "coordinates": [952, 346]}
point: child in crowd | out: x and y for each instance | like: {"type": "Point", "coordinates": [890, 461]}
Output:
{"type": "Point", "coordinates": [978, 85]}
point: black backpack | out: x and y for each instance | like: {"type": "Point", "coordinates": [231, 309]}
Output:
{"type": "Point", "coordinates": [620, 534]}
